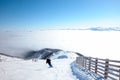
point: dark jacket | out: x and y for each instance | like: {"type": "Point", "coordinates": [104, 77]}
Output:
{"type": "Point", "coordinates": [48, 61]}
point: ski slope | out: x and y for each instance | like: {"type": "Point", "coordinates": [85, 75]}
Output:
{"type": "Point", "coordinates": [17, 69]}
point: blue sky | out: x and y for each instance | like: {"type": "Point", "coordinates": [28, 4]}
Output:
{"type": "Point", "coordinates": [60, 14]}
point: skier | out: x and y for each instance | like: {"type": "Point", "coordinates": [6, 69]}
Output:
{"type": "Point", "coordinates": [48, 61]}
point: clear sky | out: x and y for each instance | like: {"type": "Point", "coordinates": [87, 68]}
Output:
{"type": "Point", "coordinates": [59, 13]}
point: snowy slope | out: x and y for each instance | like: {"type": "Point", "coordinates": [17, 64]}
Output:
{"type": "Point", "coordinates": [64, 68]}
{"type": "Point", "coordinates": [16, 69]}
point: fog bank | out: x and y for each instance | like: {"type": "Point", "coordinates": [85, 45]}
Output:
{"type": "Point", "coordinates": [103, 44]}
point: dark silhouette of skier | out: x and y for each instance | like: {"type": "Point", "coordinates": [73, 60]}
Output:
{"type": "Point", "coordinates": [48, 61]}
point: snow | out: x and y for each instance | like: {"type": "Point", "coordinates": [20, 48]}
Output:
{"type": "Point", "coordinates": [84, 74]}
{"type": "Point", "coordinates": [18, 69]}
{"type": "Point", "coordinates": [63, 69]}
{"type": "Point", "coordinates": [64, 54]}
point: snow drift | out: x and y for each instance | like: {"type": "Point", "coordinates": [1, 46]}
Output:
{"type": "Point", "coordinates": [84, 74]}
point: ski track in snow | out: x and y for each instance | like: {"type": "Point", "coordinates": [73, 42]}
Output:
{"type": "Point", "coordinates": [29, 70]}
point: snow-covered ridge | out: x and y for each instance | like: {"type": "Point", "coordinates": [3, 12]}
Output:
{"type": "Point", "coordinates": [48, 52]}
{"type": "Point", "coordinates": [7, 58]}
{"type": "Point", "coordinates": [42, 54]}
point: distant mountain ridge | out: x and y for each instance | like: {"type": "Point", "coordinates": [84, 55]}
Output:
{"type": "Point", "coordinates": [96, 28]}
{"type": "Point", "coordinates": [104, 29]}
